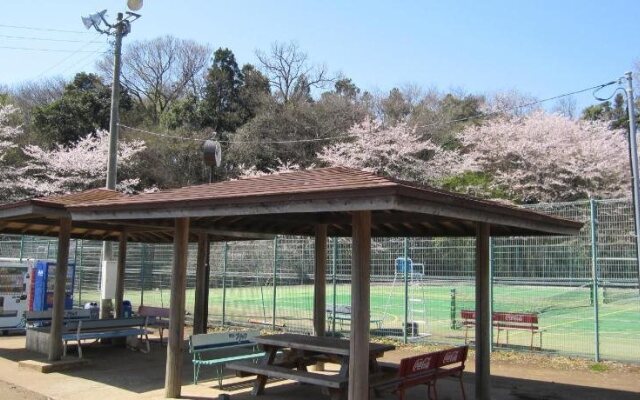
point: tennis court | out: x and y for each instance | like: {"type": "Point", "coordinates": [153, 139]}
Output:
{"type": "Point", "coordinates": [566, 314]}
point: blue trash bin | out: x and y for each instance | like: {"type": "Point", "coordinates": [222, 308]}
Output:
{"type": "Point", "coordinates": [127, 310]}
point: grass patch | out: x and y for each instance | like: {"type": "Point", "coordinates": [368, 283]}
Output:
{"type": "Point", "coordinates": [599, 367]}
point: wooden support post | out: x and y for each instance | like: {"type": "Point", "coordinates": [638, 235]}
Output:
{"type": "Point", "coordinates": [122, 259]}
{"type": "Point", "coordinates": [173, 376]}
{"type": "Point", "coordinates": [483, 313]}
{"type": "Point", "coordinates": [320, 285]}
{"type": "Point", "coordinates": [320, 281]}
{"type": "Point", "coordinates": [57, 314]}
{"type": "Point", "coordinates": [360, 271]}
{"type": "Point", "coordinates": [201, 306]}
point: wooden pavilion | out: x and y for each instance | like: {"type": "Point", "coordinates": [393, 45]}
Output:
{"type": "Point", "coordinates": [320, 203]}
{"type": "Point", "coordinates": [49, 216]}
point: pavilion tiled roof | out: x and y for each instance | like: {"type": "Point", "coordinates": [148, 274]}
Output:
{"type": "Point", "coordinates": [40, 217]}
{"type": "Point", "coordinates": [61, 201]}
{"type": "Point", "coordinates": [294, 196]}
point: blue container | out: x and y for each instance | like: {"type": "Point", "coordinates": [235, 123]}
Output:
{"type": "Point", "coordinates": [127, 310]}
{"type": "Point", "coordinates": [403, 264]}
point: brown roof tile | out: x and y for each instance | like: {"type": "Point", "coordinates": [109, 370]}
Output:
{"type": "Point", "coordinates": [325, 180]}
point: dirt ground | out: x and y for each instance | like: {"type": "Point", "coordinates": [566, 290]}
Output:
{"type": "Point", "coordinates": [119, 373]}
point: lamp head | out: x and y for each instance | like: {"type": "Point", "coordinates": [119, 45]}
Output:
{"type": "Point", "coordinates": [94, 19]}
{"type": "Point", "coordinates": [134, 5]}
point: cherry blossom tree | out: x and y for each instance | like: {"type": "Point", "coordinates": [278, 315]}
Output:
{"type": "Point", "coordinates": [253, 171]}
{"type": "Point", "coordinates": [77, 167]}
{"type": "Point", "coordinates": [543, 157]}
{"type": "Point", "coordinates": [8, 135]}
{"type": "Point", "coordinates": [396, 151]}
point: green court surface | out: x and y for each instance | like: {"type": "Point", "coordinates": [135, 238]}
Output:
{"type": "Point", "coordinates": [566, 314]}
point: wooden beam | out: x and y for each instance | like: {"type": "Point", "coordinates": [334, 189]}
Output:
{"type": "Point", "coordinates": [201, 306]}
{"type": "Point", "coordinates": [173, 375]}
{"type": "Point", "coordinates": [120, 268]}
{"type": "Point", "coordinates": [483, 313]}
{"type": "Point", "coordinates": [57, 314]}
{"type": "Point", "coordinates": [522, 219]}
{"type": "Point", "coordinates": [319, 281]}
{"type": "Point", "coordinates": [360, 272]}
{"type": "Point", "coordinates": [362, 201]}
{"type": "Point", "coordinates": [320, 284]}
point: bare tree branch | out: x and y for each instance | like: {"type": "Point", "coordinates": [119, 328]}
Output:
{"type": "Point", "coordinates": [157, 72]}
{"type": "Point", "coordinates": [286, 66]}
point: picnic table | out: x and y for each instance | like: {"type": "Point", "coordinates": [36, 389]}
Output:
{"type": "Point", "coordinates": [299, 351]}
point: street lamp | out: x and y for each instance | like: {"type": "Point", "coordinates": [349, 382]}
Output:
{"type": "Point", "coordinates": [119, 29]}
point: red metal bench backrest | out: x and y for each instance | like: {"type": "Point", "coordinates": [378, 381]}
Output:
{"type": "Point", "coordinates": [523, 320]}
{"type": "Point", "coordinates": [453, 356]}
{"type": "Point", "coordinates": [157, 312]}
{"type": "Point", "coordinates": [517, 318]}
{"type": "Point", "coordinates": [468, 314]}
{"type": "Point", "coordinates": [415, 370]}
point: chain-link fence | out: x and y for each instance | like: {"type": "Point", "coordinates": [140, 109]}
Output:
{"type": "Point", "coordinates": [583, 289]}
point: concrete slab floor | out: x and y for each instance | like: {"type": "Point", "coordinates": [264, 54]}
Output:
{"type": "Point", "coordinates": [119, 373]}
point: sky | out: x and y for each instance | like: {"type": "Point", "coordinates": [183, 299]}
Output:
{"type": "Point", "coordinates": [541, 48]}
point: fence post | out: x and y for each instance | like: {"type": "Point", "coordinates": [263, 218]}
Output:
{"type": "Point", "coordinates": [275, 276]}
{"type": "Point", "coordinates": [333, 273]}
{"type": "Point", "coordinates": [80, 270]}
{"type": "Point", "coordinates": [143, 253]}
{"type": "Point", "coordinates": [405, 255]}
{"type": "Point", "coordinates": [491, 271]}
{"type": "Point", "coordinates": [224, 282]}
{"type": "Point", "coordinates": [75, 262]}
{"type": "Point", "coordinates": [454, 323]}
{"type": "Point", "coordinates": [594, 273]}
{"type": "Point", "coordinates": [21, 247]}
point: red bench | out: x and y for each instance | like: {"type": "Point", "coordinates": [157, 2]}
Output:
{"type": "Point", "coordinates": [505, 321]}
{"type": "Point", "coordinates": [425, 369]}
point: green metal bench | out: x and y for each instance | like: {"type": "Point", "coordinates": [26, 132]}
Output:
{"type": "Point", "coordinates": [211, 343]}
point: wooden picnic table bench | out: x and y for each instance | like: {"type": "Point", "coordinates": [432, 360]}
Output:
{"type": "Point", "coordinates": [210, 343]}
{"type": "Point", "coordinates": [105, 329]}
{"type": "Point", "coordinates": [424, 369]}
{"type": "Point", "coordinates": [300, 351]}
{"type": "Point", "coordinates": [343, 314]}
{"type": "Point", "coordinates": [505, 321]}
{"type": "Point", "coordinates": [159, 318]}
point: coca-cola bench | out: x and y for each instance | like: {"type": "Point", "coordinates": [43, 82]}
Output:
{"type": "Point", "coordinates": [505, 321]}
{"type": "Point", "coordinates": [424, 369]}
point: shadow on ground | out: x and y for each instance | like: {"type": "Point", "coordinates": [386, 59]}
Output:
{"type": "Point", "coordinates": [139, 373]}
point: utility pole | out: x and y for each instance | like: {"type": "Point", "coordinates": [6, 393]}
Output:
{"type": "Point", "coordinates": [122, 26]}
{"type": "Point", "coordinates": [112, 167]}
{"type": "Point", "coordinates": [112, 164]}
{"type": "Point", "coordinates": [633, 149]}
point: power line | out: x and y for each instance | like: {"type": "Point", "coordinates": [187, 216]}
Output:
{"type": "Point", "coordinates": [478, 116]}
{"type": "Point", "coordinates": [168, 136]}
{"type": "Point", "coordinates": [163, 135]}
{"type": "Point", "coordinates": [82, 62]}
{"type": "Point", "coordinates": [40, 39]}
{"type": "Point", "coordinates": [46, 50]}
{"type": "Point", "coordinates": [521, 106]}
{"type": "Point", "coordinates": [33, 28]}
{"type": "Point", "coordinates": [94, 39]}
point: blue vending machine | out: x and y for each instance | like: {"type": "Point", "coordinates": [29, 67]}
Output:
{"type": "Point", "coordinates": [45, 276]}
